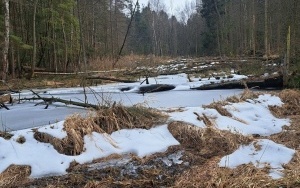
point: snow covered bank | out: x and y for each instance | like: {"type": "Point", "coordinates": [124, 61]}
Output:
{"type": "Point", "coordinates": [45, 160]}
{"type": "Point", "coordinates": [249, 117]}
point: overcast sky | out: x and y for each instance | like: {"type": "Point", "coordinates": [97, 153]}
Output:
{"type": "Point", "coordinates": [172, 6]}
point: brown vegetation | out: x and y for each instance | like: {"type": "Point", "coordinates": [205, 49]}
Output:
{"type": "Point", "coordinates": [206, 142]}
{"type": "Point", "coordinates": [119, 117]}
{"type": "Point", "coordinates": [202, 150]}
{"type": "Point", "coordinates": [6, 135]}
{"type": "Point", "coordinates": [106, 120]}
{"type": "Point", "coordinates": [14, 175]}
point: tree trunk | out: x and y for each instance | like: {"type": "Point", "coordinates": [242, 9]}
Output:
{"type": "Point", "coordinates": [266, 30]}
{"type": "Point", "coordinates": [111, 29]}
{"type": "Point", "coordinates": [13, 75]}
{"type": "Point", "coordinates": [287, 58]}
{"type": "Point", "coordinates": [82, 39]}
{"type": "Point", "coordinates": [253, 29]}
{"type": "Point", "coordinates": [65, 44]}
{"type": "Point", "coordinates": [34, 41]}
{"type": "Point", "coordinates": [6, 40]}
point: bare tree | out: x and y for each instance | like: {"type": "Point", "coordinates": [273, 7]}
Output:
{"type": "Point", "coordinates": [34, 41]}
{"type": "Point", "coordinates": [6, 40]}
{"type": "Point", "coordinates": [266, 30]}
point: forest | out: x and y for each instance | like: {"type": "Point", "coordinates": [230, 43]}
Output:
{"type": "Point", "coordinates": [118, 93]}
{"type": "Point", "coordinates": [66, 35]}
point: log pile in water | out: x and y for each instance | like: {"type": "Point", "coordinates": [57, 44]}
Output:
{"type": "Point", "coordinates": [268, 83]}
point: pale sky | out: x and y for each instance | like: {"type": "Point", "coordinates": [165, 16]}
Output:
{"type": "Point", "coordinates": [172, 6]}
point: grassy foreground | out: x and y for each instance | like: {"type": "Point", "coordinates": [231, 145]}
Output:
{"type": "Point", "coordinates": [202, 150]}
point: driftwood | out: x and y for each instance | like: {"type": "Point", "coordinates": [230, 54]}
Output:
{"type": "Point", "coordinates": [50, 100]}
{"type": "Point", "coordinates": [274, 83]}
{"type": "Point", "coordinates": [155, 88]}
{"type": "Point", "coordinates": [110, 79]}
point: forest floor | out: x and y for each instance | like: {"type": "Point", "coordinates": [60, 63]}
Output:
{"type": "Point", "coordinates": [193, 163]}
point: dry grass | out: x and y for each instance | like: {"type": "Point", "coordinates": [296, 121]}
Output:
{"type": "Point", "coordinates": [5, 98]}
{"type": "Point", "coordinates": [6, 135]}
{"type": "Point", "coordinates": [291, 100]}
{"type": "Point", "coordinates": [106, 120]}
{"type": "Point", "coordinates": [219, 106]}
{"type": "Point", "coordinates": [119, 117]}
{"type": "Point", "coordinates": [209, 145]}
{"type": "Point", "coordinates": [21, 140]}
{"type": "Point", "coordinates": [247, 94]}
{"type": "Point", "coordinates": [203, 149]}
{"type": "Point", "coordinates": [290, 109]}
{"type": "Point", "coordinates": [127, 62]}
{"type": "Point", "coordinates": [46, 138]}
{"type": "Point", "coordinates": [208, 142]}
{"type": "Point", "coordinates": [76, 128]}
{"type": "Point", "coordinates": [14, 175]}
{"type": "Point", "coordinates": [292, 171]}
{"type": "Point", "coordinates": [205, 119]}
{"type": "Point", "coordinates": [212, 176]}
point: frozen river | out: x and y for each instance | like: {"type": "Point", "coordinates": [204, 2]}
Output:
{"type": "Point", "coordinates": [27, 114]}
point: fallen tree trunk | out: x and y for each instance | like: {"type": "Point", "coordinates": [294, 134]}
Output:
{"type": "Point", "coordinates": [155, 88]}
{"type": "Point", "coordinates": [51, 100]}
{"type": "Point", "coordinates": [110, 79]}
{"type": "Point", "coordinates": [67, 102]}
{"type": "Point", "coordinates": [273, 83]}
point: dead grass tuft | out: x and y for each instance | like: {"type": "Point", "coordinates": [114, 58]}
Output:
{"type": "Point", "coordinates": [94, 184]}
{"type": "Point", "coordinates": [106, 120]}
{"type": "Point", "coordinates": [6, 135]}
{"type": "Point", "coordinates": [205, 119]}
{"type": "Point", "coordinates": [119, 117]}
{"type": "Point", "coordinates": [291, 100]}
{"type": "Point", "coordinates": [292, 171]}
{"type": "Point", "coordinates": [211, 175]}
{"type": "Point", "coordinates": [208, 142]}
{"type": "Point", "coordinates": [14, 175]}
{"type": "Point", "coordinates": [247, 94]}
{"type": "Point", "coordinates": [219, 106]}
{"type": "Point", "coordinates": [21, 140]}
{"type": "Point", "coordinates": [290, 109]}
{"type": "Point", "coordinates": [77, 127]}
{"type": "Point", "coordinates": [46, 138]}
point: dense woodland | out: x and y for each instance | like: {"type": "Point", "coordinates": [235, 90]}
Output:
{"type": "Point", "coordinates": [65, 35]}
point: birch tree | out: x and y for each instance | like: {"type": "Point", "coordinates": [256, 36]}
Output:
{"type": "Point", "coordinates": [6, 40]}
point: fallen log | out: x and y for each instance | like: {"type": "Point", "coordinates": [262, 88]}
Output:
{"type": "Point", "coordinates": [110, 79]}
{"type": "Point", "coordinates": [50, 100]}
{"type": "Point", "coordinates": [268, 83]}
{"type": "Point", "coordinates": [155, 88]}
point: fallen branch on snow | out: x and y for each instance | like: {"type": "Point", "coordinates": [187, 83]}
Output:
{"type": "Point", "coordinates": [50, 100]}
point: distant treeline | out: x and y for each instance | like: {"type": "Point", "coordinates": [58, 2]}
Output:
{"type": "Point", "coordinates": [63, 35]}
